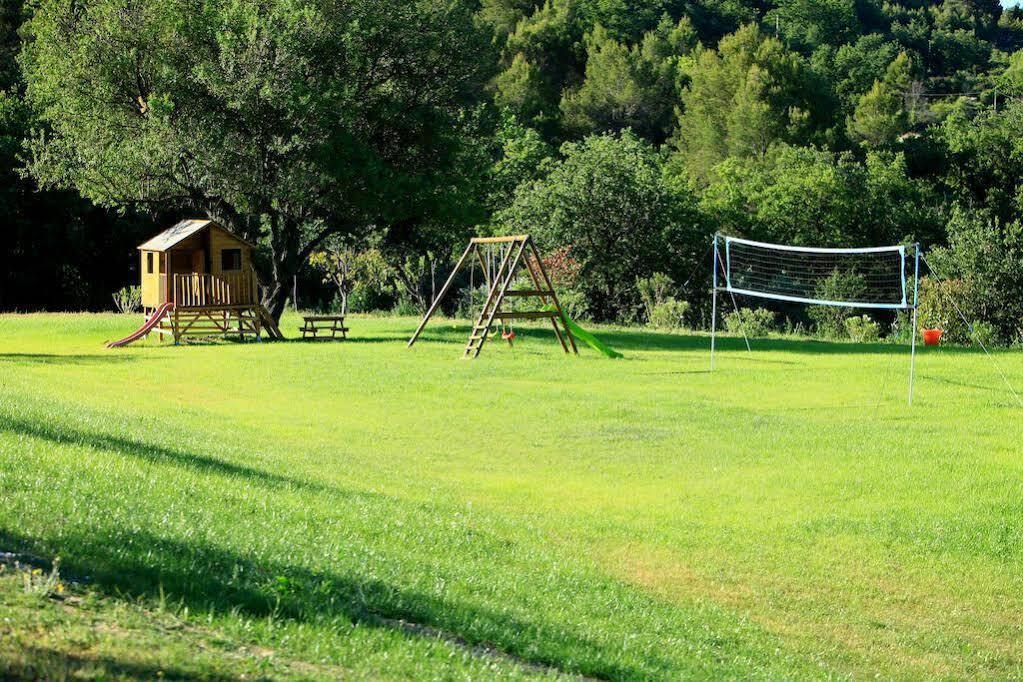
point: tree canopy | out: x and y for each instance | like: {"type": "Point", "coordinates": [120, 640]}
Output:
{"type": "Point", "coordinates": [286, 120]}
{"type": "Point", "coordinates": [609, 203]}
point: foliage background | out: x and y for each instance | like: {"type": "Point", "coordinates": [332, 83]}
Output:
{"type": "Point", "coordinates": [626, 133]}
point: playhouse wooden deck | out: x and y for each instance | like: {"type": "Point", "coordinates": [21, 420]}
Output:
{"type": "Point", "coordinates": [216, 305]}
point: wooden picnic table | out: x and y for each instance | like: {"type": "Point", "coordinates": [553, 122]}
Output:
{"type": "Point", "coordinates": [315, 325]}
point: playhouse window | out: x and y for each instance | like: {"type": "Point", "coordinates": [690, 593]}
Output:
{"type": "Point", "coordinates": [149, 263]}
{"type": "Point", "coordinates": [231, 259]}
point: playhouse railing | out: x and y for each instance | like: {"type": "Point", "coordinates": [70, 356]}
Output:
{"type": "Point", "coordinates": [194, 290]}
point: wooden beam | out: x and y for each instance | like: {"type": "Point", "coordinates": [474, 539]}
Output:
{"type": "Point", "coordinates": [531, 315]}
{"type": "Point", "coordinates": [531, 266]}
{"type": "Point", "coordinates": [498, 240]}
{"type": "Point", "coordinates": [554, 296]}
{"type": "Point", "coordinates": [442, 294]}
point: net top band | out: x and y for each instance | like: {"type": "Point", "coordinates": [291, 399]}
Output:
{"type": "Point", "coordinates": [813, 249]}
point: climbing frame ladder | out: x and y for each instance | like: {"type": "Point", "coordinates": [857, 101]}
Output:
{"type": "Point", "coordinates": [516, 252]}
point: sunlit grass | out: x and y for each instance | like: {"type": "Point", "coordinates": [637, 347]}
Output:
{"type": "Point", "coordinates": [358, 508]}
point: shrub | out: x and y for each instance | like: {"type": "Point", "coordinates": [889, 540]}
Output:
{"type": "Point", "coordinates": [653, 291]}
{"type": "Point", "coordinates": [986, 256]}
{"type": "Point", "coordinates": [984, 333]}
{"type": "Point", "coordinates": [902, 328]}
{"type": "Point", "coordinates": [829, 321]}
{"type": "Point", "coordinates": [406, 307]}
{"type": "Point", "coordinates": [608, 198]}
{"type": "Point", "coordinates": [574, 303]}
{"type": "Point", "coordinates": [758, 322]}
{"type": "Point", "coordinates": [565, 274]}
{"type": "Point", "coordinates": [863, 329]}
{"type": "Point", "coordinates": [669, 314]}
{"type": "Point", "coordinates": [128, 299]}
{"type": "Point", "coordinates": [937, 307]}
{"type": "Point", "coordinates": [362, 279]}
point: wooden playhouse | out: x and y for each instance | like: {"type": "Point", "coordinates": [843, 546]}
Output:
{"type": "Point", "coordinates": [198, 280]}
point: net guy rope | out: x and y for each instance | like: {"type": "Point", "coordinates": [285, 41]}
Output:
{"type": "Point", "coordinates": [980, 342]}
{"type": "Point", "coordinates": [874, 278]}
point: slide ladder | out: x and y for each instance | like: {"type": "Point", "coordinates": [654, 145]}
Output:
{"type": "Point", "coordinates": [144, 330]}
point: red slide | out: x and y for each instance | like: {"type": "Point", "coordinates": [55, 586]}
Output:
{"type": "Point", "coordinates": [154, 320]}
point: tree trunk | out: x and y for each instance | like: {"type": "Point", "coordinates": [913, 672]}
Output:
{"type": "Point", "coordinates": [288, 254]}
{"type": "Point", "coordinates": [284, 254]}
{"type": "Point", "coordinates": [276, 299]}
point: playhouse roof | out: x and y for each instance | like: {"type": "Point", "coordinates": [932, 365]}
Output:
{"type": "Point", "coordinates": [168, 239]}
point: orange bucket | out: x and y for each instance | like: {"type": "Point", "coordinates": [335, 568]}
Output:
{"type": "Point", "coordinates": [932, 337]}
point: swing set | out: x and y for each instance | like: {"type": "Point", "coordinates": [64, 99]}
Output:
{"type": "Point", "coordinates": [500, 259]}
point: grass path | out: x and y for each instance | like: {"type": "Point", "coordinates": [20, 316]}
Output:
{"type": "Point", "coordinates": [361, 509]}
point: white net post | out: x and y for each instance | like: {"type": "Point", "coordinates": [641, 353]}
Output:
{"type": "Point", "coordinates": [714, 305]}
{"type": "Point", "coordinates": [913, 330]}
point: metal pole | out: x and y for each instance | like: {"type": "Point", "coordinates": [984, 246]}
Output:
{"type": "Point", "coordinates": [916, 301]}
{"type": "Point", "coordinates": [714, 305]}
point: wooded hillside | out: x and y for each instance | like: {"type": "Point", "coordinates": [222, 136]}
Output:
{"type": "Point", "coordinates": [622, 134]}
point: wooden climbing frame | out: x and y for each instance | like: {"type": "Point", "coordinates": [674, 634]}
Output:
{"type": "Point", "coordinates": [518, 251]}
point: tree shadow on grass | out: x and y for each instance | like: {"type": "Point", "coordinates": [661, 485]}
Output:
{"type": "Point", "coordinates": [327, 342]}
{"type": "Point", "coordinates": [664, 341]}
{"type": "Point", "coordinates": [205, 578]}
{"type": "Point", "coordinates": [998, 387]}
{"type": "Point", "coordinates": [210, 578]}
{"type": "Point", "coordinates": [44, 664]}
{"type": "Point", "coordinates": [141, 564]}
{"type": "Point", "coordinates": [65, 434]}
{"type": "Point", "coordinates": [57, 359]}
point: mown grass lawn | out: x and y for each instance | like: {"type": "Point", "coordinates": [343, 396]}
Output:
{"type": "Point", "coordinates": [317, 510]}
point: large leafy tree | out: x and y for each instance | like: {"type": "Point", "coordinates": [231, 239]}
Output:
{"type": "Point", "coordinates": [504, 15]}
{"type": "Point", "coordinates": [810, 23]}
{"type": "Point", "coordinates": [541, 57]}
{"type": "Point", "coordinates": [608, 202]}
{"type": "Point", "coordinates": [523, 157]}
{"type": "Point", "coordinates": [985, 154]}
{"type": "Point", "coordinates": [1011, 79]}
{"type": "Point", "coordinates": [985, 255]}
{"type": "Point", "coordinates": [284, 120]}
{"type": "Point", "coordinates": [852, 68]}
{"type": "Point", "coordinates": [76, 239]}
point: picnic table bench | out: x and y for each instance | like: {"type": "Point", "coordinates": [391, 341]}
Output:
{"type": "Point", "coordinates": [314, 325]}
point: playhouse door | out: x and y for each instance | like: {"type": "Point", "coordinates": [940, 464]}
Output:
{"type": "Point", "coordinates": [181, 263]}
{"type": "Point", "coordinates": [199, 261]}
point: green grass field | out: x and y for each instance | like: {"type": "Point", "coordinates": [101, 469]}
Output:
{"type": "Point", "coordinates": [316, 510]}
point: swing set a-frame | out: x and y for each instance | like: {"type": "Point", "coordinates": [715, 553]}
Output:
{"type": "Point", "coordinates": [500, 259]}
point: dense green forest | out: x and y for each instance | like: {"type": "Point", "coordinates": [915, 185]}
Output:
{"type": "Point", "coordinates": [362, 142]}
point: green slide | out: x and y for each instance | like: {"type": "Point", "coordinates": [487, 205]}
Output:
{"type": "Point", "coordinates": [590, 340]}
